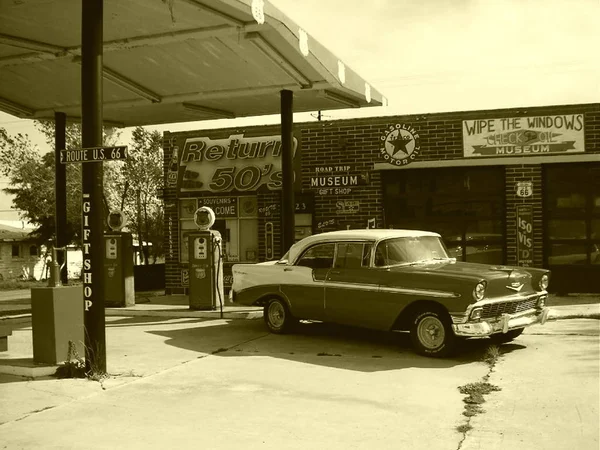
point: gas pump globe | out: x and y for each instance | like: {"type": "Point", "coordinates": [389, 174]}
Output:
{"type": "Point", "coordinates": [204, 218]}
{"type": "Point", "coordinates": [206, 264]}
{"type": "Point", "coordinates": [116, 220]}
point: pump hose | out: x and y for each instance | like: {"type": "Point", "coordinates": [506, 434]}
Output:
{"type": "Point", "coordinates": [218, 244]}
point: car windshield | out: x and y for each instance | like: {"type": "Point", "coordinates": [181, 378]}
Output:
{"type": "Point", "coordinates": [410, 250]}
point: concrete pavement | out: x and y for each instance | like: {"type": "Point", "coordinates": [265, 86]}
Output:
{"type": "Point", "coordinates": [178, 380]}
{"type": "Point", "coordinates": [227, 384]}
{"type": "Point", "coordinates": [549, 391]}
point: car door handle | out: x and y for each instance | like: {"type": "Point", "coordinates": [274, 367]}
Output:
{"type": "Point", "coordinates": [287, 269]}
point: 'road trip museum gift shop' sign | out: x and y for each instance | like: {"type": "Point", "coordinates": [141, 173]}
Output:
{"type": "Point", "coordinates": [524, 136]}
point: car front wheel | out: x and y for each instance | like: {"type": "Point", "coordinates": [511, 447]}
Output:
{"type": "Point", "coordinates": [502, 338]}
{"type": "Point", "coordinates": [278, 317]}
{"type": "Point", "coordinates": [431, 334]}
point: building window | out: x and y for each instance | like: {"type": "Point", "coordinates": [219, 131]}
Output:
{"type": "Point", "coordinates": [16, 250]}
{"type": "Point", "coordinates": [33, 250]}
{"type": "Point", "coordinates": [236, 220]}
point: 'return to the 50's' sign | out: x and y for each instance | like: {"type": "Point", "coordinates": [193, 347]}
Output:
{"type": "Point", "coordinates": [236, 163]}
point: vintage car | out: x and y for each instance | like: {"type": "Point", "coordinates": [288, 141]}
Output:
{"type": "Point", "coordinates": [396, 280]}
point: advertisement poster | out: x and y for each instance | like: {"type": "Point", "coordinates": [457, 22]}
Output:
{"type": "Point", "coordinates": [525, 235]}
{"type": "Point", "coordinates": [524, 136]}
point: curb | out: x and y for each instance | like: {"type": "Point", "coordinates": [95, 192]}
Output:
{"type": "Point", "coordinates": [30, 372]}
{"type": "Point", "coordinates": [195, 314]}
{"type": "Point", "coordinates": [575, 316]}
{"type": "Point", "coordinates": [214, 315]}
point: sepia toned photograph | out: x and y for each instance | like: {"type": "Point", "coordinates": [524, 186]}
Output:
{"type": "Point", "coordinates": [300, 224]}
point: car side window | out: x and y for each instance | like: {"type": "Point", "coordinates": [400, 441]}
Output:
{"type": "Point", "coordinates": [318, 257]}
{"type": "Point", "coordinates": [353, 255]}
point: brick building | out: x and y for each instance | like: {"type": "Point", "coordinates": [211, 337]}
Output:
{"type": "Point", "coordinates": [513, 186]}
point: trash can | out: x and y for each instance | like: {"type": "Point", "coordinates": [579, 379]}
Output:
{"type": "Point", "coordinates": [56, 319]}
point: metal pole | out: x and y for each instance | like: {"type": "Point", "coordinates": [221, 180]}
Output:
{"type": "Point", "coordinates": [60, 192]}
{"type": "Point", "coordinates": [287, 167]}
{"type": "Point", "coordinates": [91, 174]}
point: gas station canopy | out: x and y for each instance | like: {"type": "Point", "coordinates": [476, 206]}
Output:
{"type": "Point", "coordinates": [167, 61]}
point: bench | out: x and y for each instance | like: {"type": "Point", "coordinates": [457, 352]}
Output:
{"type": "Point", "coordinates": [5, 331]}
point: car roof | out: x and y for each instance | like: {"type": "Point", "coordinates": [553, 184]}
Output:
{"type": "Point", "coordinates": [366, 234]}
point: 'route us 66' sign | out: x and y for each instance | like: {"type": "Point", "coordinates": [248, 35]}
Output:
{"type": "Point", "coordinates": [524, 188]}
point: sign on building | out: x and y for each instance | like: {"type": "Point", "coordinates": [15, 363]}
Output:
{"type": "Point", "coordinates": [524, 188]}
{"type": "Point", "coordinates": [233, 164]}
{"type": "Point", "coordinates": [525, 235]}
{"type": "Point", "coordinates": [524, 136]}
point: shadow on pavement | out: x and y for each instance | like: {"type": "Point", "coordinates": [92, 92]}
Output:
{"type": "Point", "coordinates": [321, 344]}
{"type": "Point", "coordinates": [134, 321]}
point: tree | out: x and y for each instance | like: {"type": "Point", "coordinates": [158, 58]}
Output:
{"type": "Point", "coordinates": [140, 179]}
{"type": "Point", "coordinates": [130, 185]}
{"type": "Point", "coordinates": [32, 179]}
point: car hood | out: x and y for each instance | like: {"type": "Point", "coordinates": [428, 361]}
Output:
{"type": "Point", "coordinates": [459, 268]}
{"type": "Point", "coordinates": [501, 280]}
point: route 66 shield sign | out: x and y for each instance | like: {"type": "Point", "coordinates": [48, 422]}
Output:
{"type": "Point", "coordinates": [524, 188]}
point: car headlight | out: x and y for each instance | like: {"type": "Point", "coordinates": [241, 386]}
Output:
{"type": "Point", "coordinates": [544, 282]}
{"type": "Point", "coordinates": [479, 291]}
{"type": "Point", "coordinates": [476, 313]}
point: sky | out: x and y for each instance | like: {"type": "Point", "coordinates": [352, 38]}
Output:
{"type": "Point", "coordinates": [429, 56]}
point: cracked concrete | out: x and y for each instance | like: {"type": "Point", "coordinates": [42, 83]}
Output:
{"type": "Point", "coordinates": [474, 401]}
{"type": "Point", "coordinates": [550, 395]}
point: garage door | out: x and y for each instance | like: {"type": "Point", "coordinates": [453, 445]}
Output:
{"type": "Point", "coordinates": [572, 226]}
{"type": "Point", "coordinates": [464, 204]}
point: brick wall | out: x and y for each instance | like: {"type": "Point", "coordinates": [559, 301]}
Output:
{"type": "Point", "coordinates": [514, 174]}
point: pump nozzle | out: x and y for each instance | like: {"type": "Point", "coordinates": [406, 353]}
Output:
{"type": "Point", "coordinates": [54, 278]}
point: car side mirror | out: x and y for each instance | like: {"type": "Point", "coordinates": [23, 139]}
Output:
{"type": "Point", "coordinates": [282, 261]}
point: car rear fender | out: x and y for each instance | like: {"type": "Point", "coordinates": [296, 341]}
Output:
{"type": "Point", "coordinates": [403, 321]}
{"type": "Point", "coordinates": [264, 299]}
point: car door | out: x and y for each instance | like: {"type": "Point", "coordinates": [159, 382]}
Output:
{"type": "Point", "coordinates": [304, 282]}
{"type": "Point", "coordinates": [352, 295]}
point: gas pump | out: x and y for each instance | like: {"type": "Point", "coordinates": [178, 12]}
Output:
{"type": "Point", "coordinates": [118, 264]}
{"type": "Point", "coordinates": [206, 263]}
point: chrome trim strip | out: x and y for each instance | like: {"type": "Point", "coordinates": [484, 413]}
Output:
{"type": "Point", "coordinates": [350, 285]}
{"type": "Point", "coordinates": [414, 291]}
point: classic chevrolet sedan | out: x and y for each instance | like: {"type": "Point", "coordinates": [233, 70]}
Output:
{"type": "Point", "coordinates": [396, 280]}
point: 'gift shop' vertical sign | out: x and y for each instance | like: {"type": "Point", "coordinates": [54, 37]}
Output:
{"type": "Point", "coordinates": [525, 235]}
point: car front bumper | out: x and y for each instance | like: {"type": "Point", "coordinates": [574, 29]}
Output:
{"type": "Point", "coordinates": [501, 324]}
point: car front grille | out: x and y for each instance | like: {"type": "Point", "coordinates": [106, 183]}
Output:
{"type": "Point", "coordinates": [497, 309]}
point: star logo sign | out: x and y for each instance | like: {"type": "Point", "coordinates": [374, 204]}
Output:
{"type": "Point", "coordinates": [400, 144]}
